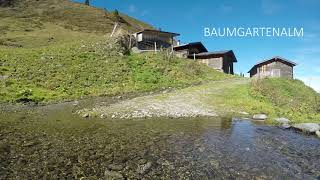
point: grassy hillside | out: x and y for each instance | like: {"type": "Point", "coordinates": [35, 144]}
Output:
{"type": "Point", "coordinates": [60, 50]}
{"type": "Point", "coordinates": [277, 98]}
{"type": "Point", "coordinates": [79, 69]}
{"type": "Point", "coordinates": [292, 95]}
{"type": "Point", "coordinates": [32, 23]}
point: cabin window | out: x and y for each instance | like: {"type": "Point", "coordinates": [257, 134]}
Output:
{"type": "Point", "coordinates": [139, 37]}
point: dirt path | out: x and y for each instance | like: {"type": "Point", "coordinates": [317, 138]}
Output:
{"type": "Point", "coordinates": [188, 102]}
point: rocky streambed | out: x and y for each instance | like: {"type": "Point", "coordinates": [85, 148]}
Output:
{"type": "Point", "coordinates": [174, 135]}
{"type": "Point", "coordinates": [52, 142]}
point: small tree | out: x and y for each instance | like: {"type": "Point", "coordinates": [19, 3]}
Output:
{"type": "Point", "coordinates": [106, 13]}
{"type": "Point", "coordinates": [116, 15]}
{"type": "Point", "coordinates": [87, 2]}
{"type": "Point", "coordinates": [116, 12]}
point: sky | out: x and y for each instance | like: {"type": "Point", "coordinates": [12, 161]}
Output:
{"type": "Point", "coordinates": [189, 18]}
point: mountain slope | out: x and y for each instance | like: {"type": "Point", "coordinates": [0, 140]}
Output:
{"type": "Point", "coordinates": [49, 21]}
{"type": "Point", "coordinates": [60, 50]}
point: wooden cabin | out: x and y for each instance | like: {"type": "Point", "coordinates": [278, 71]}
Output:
{"type": "Point", "coordinates": [154, 39]}
{"type": "Point", "coordinates": [219, 60]}
{"type": "Point", "coordinates": [186, 50]}
{"type": "Point", "coordinates": [273, 67]}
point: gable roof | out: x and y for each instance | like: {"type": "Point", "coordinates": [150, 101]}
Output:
{"type": "Point", "coordinates": [275, 58]}
{"type": "Point", "coordinates": [158, 31]}
{"type": "Point", "coordinates": [198, 45]}
{"type": "Point", "coordinates": [215, 54]}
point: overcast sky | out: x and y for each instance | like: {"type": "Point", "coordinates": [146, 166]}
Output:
{"type": "Point", "coordinates": [189, 18]}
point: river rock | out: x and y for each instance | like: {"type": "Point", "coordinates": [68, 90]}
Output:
{"type": "Point", "coordinates": [260, 117]}
{"type": "Point", "coordinates": [282, 120]}
{"type": "Point", "coordinates": [285, 126]}
{"type": "Point", "coordinates": [115, 167]}
{"type": "Point", "coordinates": [75, 103]}
{"type": "Point", "coordinates": [102, 116]}
{"type": "Point", "coordinates": [143, 169]}
{"type": "Point", "coordinates": [307, 127]}
{"type": "Point", "coordinates": [112, 175]}
{"type": "Point", "coordinates": [86, 115]}
{"type": "Point", "coordinates": [243, 113]}
{"type": "Point", "coordinates": [3, 77]}
{"type": "Point", "coordinates": [318, 134]}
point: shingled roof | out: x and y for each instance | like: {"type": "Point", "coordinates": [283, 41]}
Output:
{"type": "Point", "coordinates": [158, 31]}
{"type": "Point", "coordinates": [215, 54]}
{"type": "Point", "coordinates": [199, 45]}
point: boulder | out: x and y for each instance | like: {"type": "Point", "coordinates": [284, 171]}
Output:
{"type": "Point", "coordinates": [260, 117]}
{"type": "Point", "coordinates": [307, 127]}
{"type": "Point", "coordinates": [282, 120]}
{"type": "Point", "coordinates": [318, 134]}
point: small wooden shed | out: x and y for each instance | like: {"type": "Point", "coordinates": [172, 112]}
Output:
{"type": "Point", "coordinates": [150, 39]}
{"type": "Point", "coordinates": [219, 60]}
{"type": "Point", "coordinates": [189, 49]}
{"type": "Point", "coordinates": [273, 67]}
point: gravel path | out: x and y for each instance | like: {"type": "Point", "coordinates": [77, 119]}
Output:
{"type": "Point", "coordinates": [188, 102]}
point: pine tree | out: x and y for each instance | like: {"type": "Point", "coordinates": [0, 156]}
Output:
{"type": "Point", "coordinates": [87, 2]}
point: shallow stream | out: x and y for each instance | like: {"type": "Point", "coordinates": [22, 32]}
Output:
{"type": "Point", "coordinates": [53, 142]}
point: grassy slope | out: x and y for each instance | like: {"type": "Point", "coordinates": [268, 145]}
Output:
{"type": "Point", "coordinates": [80, 69]}
{"type": "Point", "coordinates": [277, 98]}
{"type": "Point", "coordinates": [41, 23]}
{"type": "Point", "coordinates": [57, 50]}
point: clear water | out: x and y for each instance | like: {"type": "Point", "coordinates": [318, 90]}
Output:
{"type": "Point", "coordinates": [52, 142]}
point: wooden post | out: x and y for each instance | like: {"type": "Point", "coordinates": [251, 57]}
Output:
{"type": "Point", "coordinates": [194, 56]}
{"type": "Point", "coordinates": [172, 49]}
{"type": "Point", "coordinates": [114, 29]}
{"type": "Point", "coordinates": [172, 45]}
{"type": "Point", "coordinates": [155, 46]}
{"type": "Point", "coordinates": [130, 42]}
